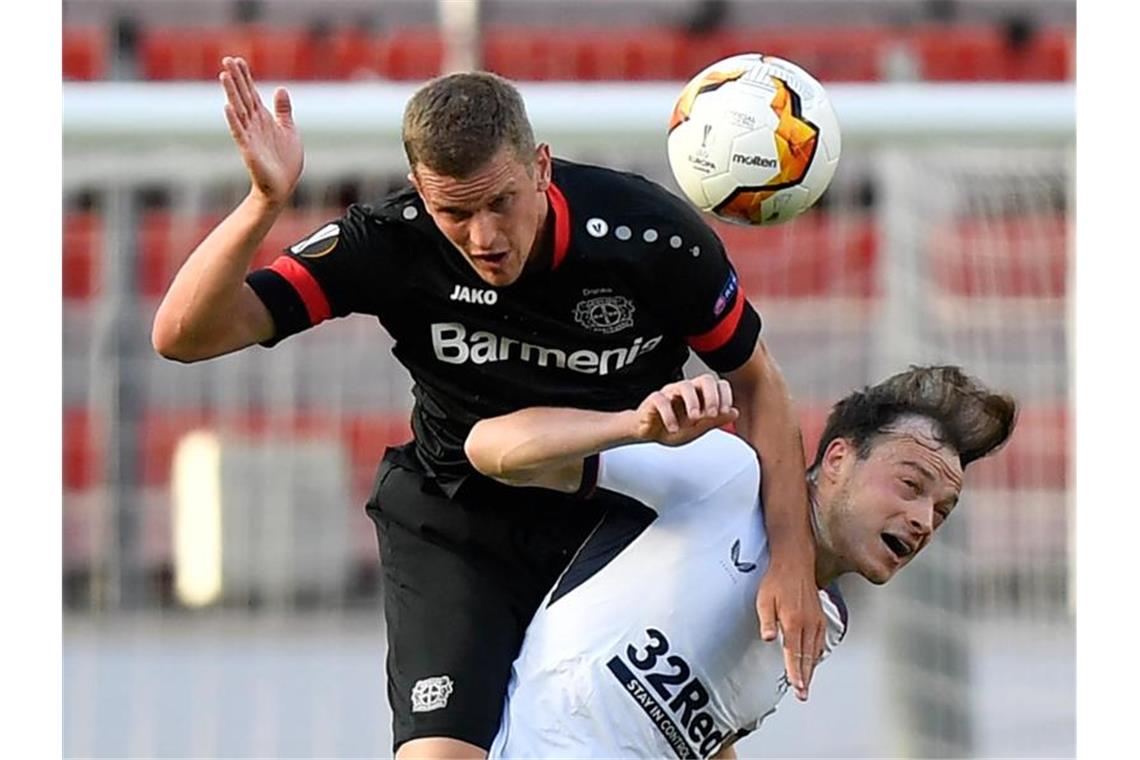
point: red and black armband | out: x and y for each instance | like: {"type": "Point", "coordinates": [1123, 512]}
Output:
{"type": "Point", "coordinates": [294, 298]}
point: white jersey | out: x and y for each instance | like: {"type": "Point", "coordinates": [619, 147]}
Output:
{"type": "Point", "coordinates": [649, 644]}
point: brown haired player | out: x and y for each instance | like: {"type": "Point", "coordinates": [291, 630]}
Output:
{"type": "Point", "coordinates": [646, 646]}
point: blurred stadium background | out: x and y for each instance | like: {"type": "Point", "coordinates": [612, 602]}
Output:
{"type": "Point", "coordinates": [220, 580]}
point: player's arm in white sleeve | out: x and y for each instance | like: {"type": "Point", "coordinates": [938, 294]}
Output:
{"type": "Point", "coordinates": [547, 446]}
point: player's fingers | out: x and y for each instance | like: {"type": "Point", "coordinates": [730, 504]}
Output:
{"type": "Point", "coordinates": [808, 658]}
{"type": "Point", "coordinates": [232, 97]}
{"type": "Point", "coordinates": [241, 94]}
{"type": "Point", "coordinates": [710, 394]}
{"type": "Point", "coordinates": [283, 107]}
{"type": "Point", "coordinates": [236, 128]}
{"type": "Point", "coordinates": [664, 406]}
{"type": "Point", "coordinates": [766, 611]}
{"type": "Point", "coordinates": [816, 656]}
{"type": "Point", "coordinates": [692, 402]}
{"type": "Point", "coordinates": [725, 389]}
{"type": "Point", "coordinates": [797, 654]}
{"type": "Point", "coordinates": [253, 100]}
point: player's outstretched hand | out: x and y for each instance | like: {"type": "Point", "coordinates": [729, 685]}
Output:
{"type": "Point", "coordinates": [685, 410]}
{"type": "Point", "coordinates": [269, 142]}
{"type": "Point", "coordinates": [788, 600]}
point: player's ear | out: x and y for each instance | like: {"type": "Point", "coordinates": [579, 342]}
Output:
{"type": "Point", "coordinates": [543, 166]}
{"type": "Point", "coordinates": [838, 457]}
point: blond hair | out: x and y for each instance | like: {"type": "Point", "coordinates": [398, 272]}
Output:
{"type": "Point", "coordinates": [454, 124]}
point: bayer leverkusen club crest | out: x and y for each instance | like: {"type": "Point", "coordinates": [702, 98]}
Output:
{"type": "Point", "coordinates": [605, 314]}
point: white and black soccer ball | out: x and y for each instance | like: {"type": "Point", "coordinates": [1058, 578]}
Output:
{"type": "Point", "coordinates": [753, 139]}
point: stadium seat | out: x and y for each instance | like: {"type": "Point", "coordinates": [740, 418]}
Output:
{"type": "Point", "coordinates": [274, 53]}
{"type": "Point", "coordinates": [84, 53]}
{"type": "Point", "coordinates": [830, 54]}
{"type": "Point", "coordinates": [1022, 256]}
{"type": "Point", "coordinates": [347, 54]}
{"type": "Point", "coordinates": [82, 252]}
{"type": "Point", "coordinates": [412, 55]}
{"type": "Point", "coordinates": [585, 53]}
{"type": "Point", "coordinates": [984, 54]}
{"type": "Point", "coordinates": [819, 255]}
{"type": "Point", "coordinates": [81, 452]}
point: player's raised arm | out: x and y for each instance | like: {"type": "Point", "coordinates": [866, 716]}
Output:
{"type": "Point", "coordinates": [788, 598]}
{"type": "Point", "coordinates": [546, 446]}
{"type": "Point", "coordinates": [209, 310]}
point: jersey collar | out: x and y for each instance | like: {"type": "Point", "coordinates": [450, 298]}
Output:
{"type": "Point", "coordinates": [561, 211]}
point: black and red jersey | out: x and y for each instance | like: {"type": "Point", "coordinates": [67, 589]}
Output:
{"type": "Point", "coordinates": [636, 279]}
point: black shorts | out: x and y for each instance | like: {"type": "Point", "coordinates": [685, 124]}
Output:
{"type": "Point", "coordinates": [462, 578]}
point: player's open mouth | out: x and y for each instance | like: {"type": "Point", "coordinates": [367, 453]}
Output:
{"type": "Point", "coordinates": [898, 547]}
{"type": "Point", "coordinates": [490, 258]}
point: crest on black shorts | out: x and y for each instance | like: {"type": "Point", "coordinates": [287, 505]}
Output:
{"type": "Point", "coordinates": [431, 693]}
{"type": "Point", "coordinates": [605, 314]}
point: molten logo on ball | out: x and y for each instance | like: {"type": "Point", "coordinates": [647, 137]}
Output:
{"type": "Point", "coordinates": [753, 139]}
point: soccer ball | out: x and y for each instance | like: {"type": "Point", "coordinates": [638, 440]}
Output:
{"type": "Point", "coordinates": [753, 139]}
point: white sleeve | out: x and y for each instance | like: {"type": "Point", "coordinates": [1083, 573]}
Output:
{"type": "Point", "coordinates": [659, 475]}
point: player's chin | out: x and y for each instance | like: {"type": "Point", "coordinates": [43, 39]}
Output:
{"type": "Point", "coordinates": [878, 571]}
{"type": "Point", "coordinates": [496, 270]}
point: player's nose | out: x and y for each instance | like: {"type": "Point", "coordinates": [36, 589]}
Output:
{"type": "Point", "coordinates": [482, 233]}
{"type": "Point", "coordinates": [921, 518]}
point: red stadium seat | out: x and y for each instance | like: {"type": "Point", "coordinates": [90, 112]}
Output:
{"type": "Point", "coordinates": [819, 255]}
{"type": "Point", "coordinates": [349, 54]}
{"type": "Point", "coordinates": [983, 54]}
{"type": "Point", "coordinates": [583, 53]}
{"type": "Point", "coordinates": [830, 54]}
{"type": "Point", "coordinates": [82, 254]}
{"type": "Point", "coordinates": [413, 54]}
{"type": "Point", "coordinates": [84, 53]}
{"type": "Point", "coordinates": [274, 53]}
{"type": "Point", "coordinates": [1013, 257]}
{"type": "Point", "coordinates": [535, 54]}
{"type": "Point", "coordinates": [81, 450]}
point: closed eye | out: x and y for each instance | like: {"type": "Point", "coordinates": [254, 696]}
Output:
{"type": "Point", "coordinates": [502, 203]}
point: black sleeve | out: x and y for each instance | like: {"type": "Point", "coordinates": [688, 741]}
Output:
{"type": "Point", "coordinates": [321, 276]}
{"type": "Point", "coordinates": [589, 482]}
{"type": "Point", "coordinates": [698, 291]}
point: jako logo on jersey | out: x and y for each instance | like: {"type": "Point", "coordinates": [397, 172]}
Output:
{"type": "Point", "coordinates": [744, 567]}
{"type": "Point", "coordinates": [319, 243]}
{"type": "Point", "coordinates": [431, 693]}
{"type": "Point", "coordinates": [474, 295]}
{"type": "Point", "coordinates": [451, 345]}
{"type": "Point", "coordinates": [606, 314]}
